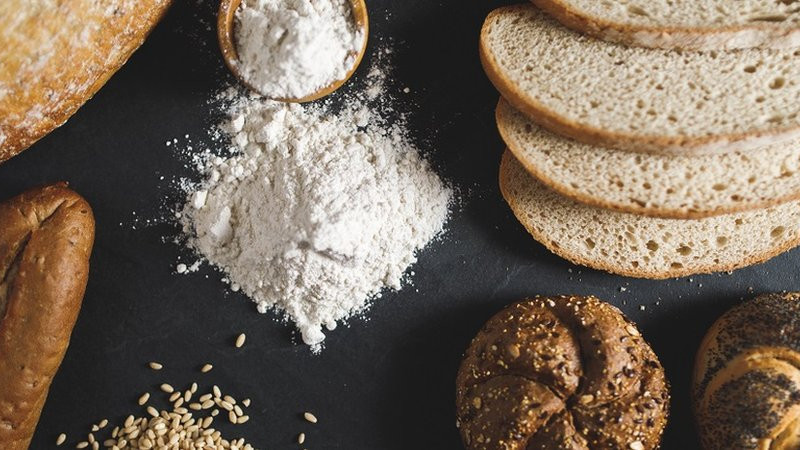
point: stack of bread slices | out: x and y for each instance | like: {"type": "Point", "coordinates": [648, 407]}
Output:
{"type": "Point", "coordinates": [651, 139]}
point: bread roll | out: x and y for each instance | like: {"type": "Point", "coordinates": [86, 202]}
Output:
{"type": "Point", "coordinates": [561, 373]}
{"type": "Point", "coordinates": [55, 55]}
{"type": "Point", "coordinates": [746, 387]}
{"type": "Point", "coordinates": [45, 242]}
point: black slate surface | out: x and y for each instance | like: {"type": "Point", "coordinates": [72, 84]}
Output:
{"type": "Point", "coordinates": [383, 383]}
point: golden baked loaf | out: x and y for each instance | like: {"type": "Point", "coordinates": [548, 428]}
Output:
{"type": "Point", "coordinates": [54, 55]}
{"type": "Point", "coordinates": [45, 242]}
{"type": "Point", "coordinates": [746, 387]}
{"type": "Point", "coordinates": [561, 373]}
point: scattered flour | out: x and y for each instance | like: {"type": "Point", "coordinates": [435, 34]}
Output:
{"type": "Point", "coordinates": [315, 213]}
{"type": "Point", "coordinates": [293, 48]}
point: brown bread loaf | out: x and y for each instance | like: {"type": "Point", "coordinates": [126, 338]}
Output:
{"type": "Point", "coordinates": [746, 388]}
{"type": "Point", "coordinates": [561, 373]}
{"type": "Point", "coordinates": [55, 55]}
{"type": "Point", "coordinates": [45, 242]}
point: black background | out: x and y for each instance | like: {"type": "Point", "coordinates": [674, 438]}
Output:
{"type": "Point", "coordinates": [381, 383]}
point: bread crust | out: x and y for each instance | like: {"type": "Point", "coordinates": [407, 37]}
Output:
{"type": "Point", "coordinates": [85, 43]}
{"type": "Point", "coordinates": [729, 37]}
{"type": "Point", "coordinates": [604, 266]}
{"type": "Point", "coordinates": [567, 191]}
{"type": "Point", "coordinates": [45, 243]}
{"type": "Point", "coordinates": [665, 145]}
{"type": "Point", "coordinates": [749, 361]}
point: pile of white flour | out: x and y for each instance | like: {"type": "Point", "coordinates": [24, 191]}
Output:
{"type": "Point", "coordinates": [293, 48]}
{"type": "Point", "coordinates": [315, 213]}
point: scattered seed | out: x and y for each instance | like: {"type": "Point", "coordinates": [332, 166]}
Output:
{"type": "Point", "coordinates": [95, 428]}
{"type": "Point", "coordinates": [310, 417]}
{"type": "Point", "coordinates": [144, 398]}
{"type": "Point", "coordinates": [246, 402]}
{"type": "Point", "coordinates": [152, 411]}
{"type": "Point", "coordinates": [61, 439]}
{"type": "Point", "coordinates": [193, 388]}
{"type": "Point", "coordinates": [156, 366]}
{"type": "Point", "coordinates": [217, 392]}
{"type": "Point", "coordinates": [240, 340]}
{"type": "Point", "coordinates": [232, 417]}
{"type": "Point", "coordinates": [229, 399]}
{"type": "Point", "coordinates": [206, 368]}
{"type": "Point", "coordinates": [301, 438]}
{"type": "Point", "coordinates": [82, 444]}
{"type": "Point", "coordinates": [242, 419]}
{"type": "Point", "coordinates": [167, 388]}
{"type": "Point", "coordinates": [103, 423]}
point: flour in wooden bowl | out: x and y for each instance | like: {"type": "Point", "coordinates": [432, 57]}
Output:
{"type": "Point", "coordinates": [294, 48]}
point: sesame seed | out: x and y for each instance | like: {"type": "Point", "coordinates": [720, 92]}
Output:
{"type": "Point", "coordinates": [246, 402]}
{"type": "Point", "coordinates": [636, 445]}
{"type": "Point", "coordinates": [232, 417]}
{"type": "Point", "coordinates": [82, 444]}
{"type": "Point", "coordinates": [175, 396]}
{"type": "Point", "coordinates": [206, 368]}
{"type": "Point", "coordinates": [156, 366]}
{"type": "Point", "coordinates": [310, 417]}
{"type": "Point", "coordinates": [144, 398]}
{"type": "Point", "coordinates": [103, 423]}
{"type": "Point", "coordinates": [167, 388]}
{"type": "Point", "coordinates": [301, 438]}
{"type": "Point", "coordinates": [193, 389]}
{"type": "Point", "coordinates": [61, 439]}
{"type": "Point", "coordinates": [217, 392]}
{"type": "Point", "coordinates": [152, 411]}
{"type": "Point", "coordinates": [240, 340]}
{"type": "Point", "coordinates": [242, 419]}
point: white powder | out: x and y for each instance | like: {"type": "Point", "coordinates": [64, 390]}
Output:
{"type": "Point", "coordinates": [293, 48]}
{"type": "Point", "coordinates": [316, 213]}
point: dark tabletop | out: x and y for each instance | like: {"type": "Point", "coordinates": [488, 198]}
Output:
{"type": "Point", "coordinates": [381, 383]}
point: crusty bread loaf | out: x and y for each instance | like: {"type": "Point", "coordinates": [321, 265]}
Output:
{"type": "Point", "coordinates": [697, 24]}
{"type": "Point", "coordinates": [45, 241]}
{"type": "Point", "coordinates": [55, 55]}
{"type": "Point", "coordinates": [560, 373]}
{"type": "Point", "coordinates": [654, 185]}
{"type": "Point", "coordinates": [640, 99]}
{"type": "Point", "coordinates": [746, 383]}
{"type": "Point", "coordinates": [647, 247]}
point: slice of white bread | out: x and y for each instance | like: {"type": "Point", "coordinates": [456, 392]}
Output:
{"type": "Point", "coordinates": [640, 99]}
{"type": "Point", "coordinates": [695, 24]}
{"type": "Point", "coordinates": [654, 185]}
{"type": "Point", "coordinates": [646, 247]}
